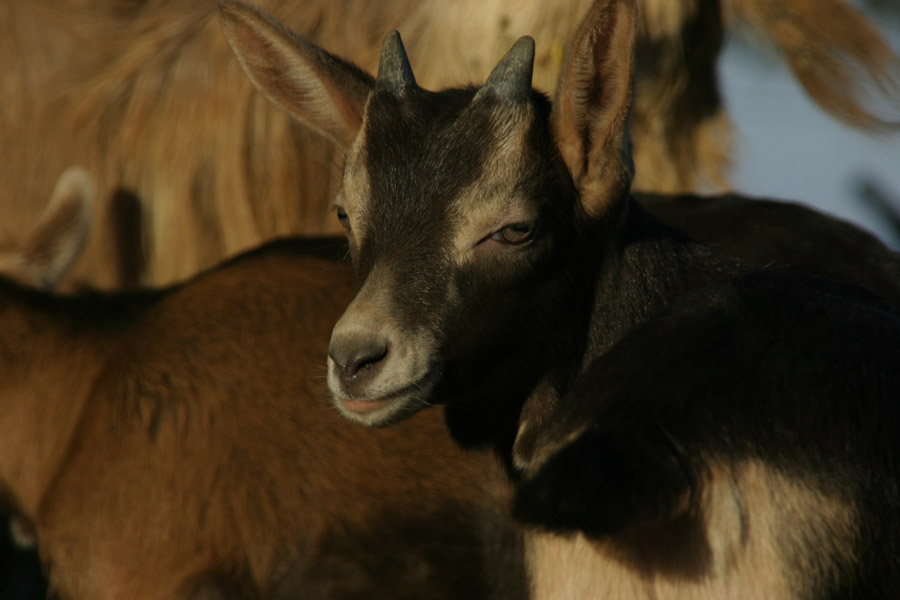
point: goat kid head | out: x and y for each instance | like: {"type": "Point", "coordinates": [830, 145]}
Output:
{"type": "Point", "coordinates": [468, 211]}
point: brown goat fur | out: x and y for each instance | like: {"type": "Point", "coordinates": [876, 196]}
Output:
{"type": "Point", "coordinates": [180, 444]}
{"type": "Point", "coordinates": [192, 165]}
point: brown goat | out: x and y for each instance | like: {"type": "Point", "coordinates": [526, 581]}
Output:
{"type": "Point", "coordinates": [180, 444]}
{"type": "Point", "coordinates": [147, 95]}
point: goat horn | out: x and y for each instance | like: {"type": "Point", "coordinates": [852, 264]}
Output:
{"type": "Point", "coordinates": [511, 78]}
{"type": "Point", "coordinates": [394, 72]}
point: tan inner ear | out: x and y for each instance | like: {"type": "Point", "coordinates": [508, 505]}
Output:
{"type": "Point", "coordinates": [303, 80]}
{"type": "Point", "coordinates": [55, 243]}
{"type": "Point", "coordinates": [593, 102]}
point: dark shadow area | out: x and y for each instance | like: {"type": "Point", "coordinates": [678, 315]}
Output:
{"type": "Point", "coordinates": [126, 227]}
{"type": "Point", "coordinates": [21, 576]}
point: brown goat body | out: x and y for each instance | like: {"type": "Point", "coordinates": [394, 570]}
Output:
{"type": "Point", "coordinates": [180, 444]}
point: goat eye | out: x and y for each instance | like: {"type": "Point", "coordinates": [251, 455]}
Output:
{"type": "Point", "coordinates": [514, 234]}
{"type": "Point", "coordinates": [343, 218]}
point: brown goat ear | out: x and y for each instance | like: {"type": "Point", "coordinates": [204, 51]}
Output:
{"type": "Point", "coordinates": [593, 101]}
{"type": "Point", "coordinates": [58, 238]}
{"type": "Point", "coordinates": [319, 89]}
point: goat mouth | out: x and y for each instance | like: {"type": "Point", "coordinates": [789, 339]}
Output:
{"type": "Point", "coordinates": [365, 406]}
{"type": "Point", "coordinates": [379, 411]}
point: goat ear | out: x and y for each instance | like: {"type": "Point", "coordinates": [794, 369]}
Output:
{"type": "Point", "coordinates": [319, 89]}
{"type": "Point", "coordinates": [593, 102]}
{"type": "Point", "coordinates": [57, 239]}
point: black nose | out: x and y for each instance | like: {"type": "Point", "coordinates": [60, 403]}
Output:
{"type": "Point", "coordinates": [357, 356]}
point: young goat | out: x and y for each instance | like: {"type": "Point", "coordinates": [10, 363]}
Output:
{"type": "Point", "coordinates": [505, 272]}
{"type": "Point", "coordinates": [181, 444]}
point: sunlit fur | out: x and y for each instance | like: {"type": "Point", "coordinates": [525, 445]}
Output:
{"type": "Point", "coordinates": [748, 515]}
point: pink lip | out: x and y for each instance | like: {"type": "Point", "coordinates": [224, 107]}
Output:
{"type": "Point", "coordinates": [363, 406]}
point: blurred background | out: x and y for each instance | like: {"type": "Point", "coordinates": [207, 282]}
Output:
{"type": "Point", "coordinates": [785, 146]}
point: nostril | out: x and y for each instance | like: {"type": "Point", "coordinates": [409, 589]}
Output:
{"type": "Point", "coordinates": [353, 356]}
{"type": "Point", "coordinates": [365, 356]}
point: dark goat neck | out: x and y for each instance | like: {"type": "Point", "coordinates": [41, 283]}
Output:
{"type": "Point", "coordinates": [638, 270]}
{"type": "Point", "coordinates": [647, 265]}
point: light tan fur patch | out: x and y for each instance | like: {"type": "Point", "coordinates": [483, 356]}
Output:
{"type": "Point", "coordinates": [371, 314]}
{"type": "Point", "coordinates": [758, 535]}
{"type": "Point", "coordinates": [355, 191]}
